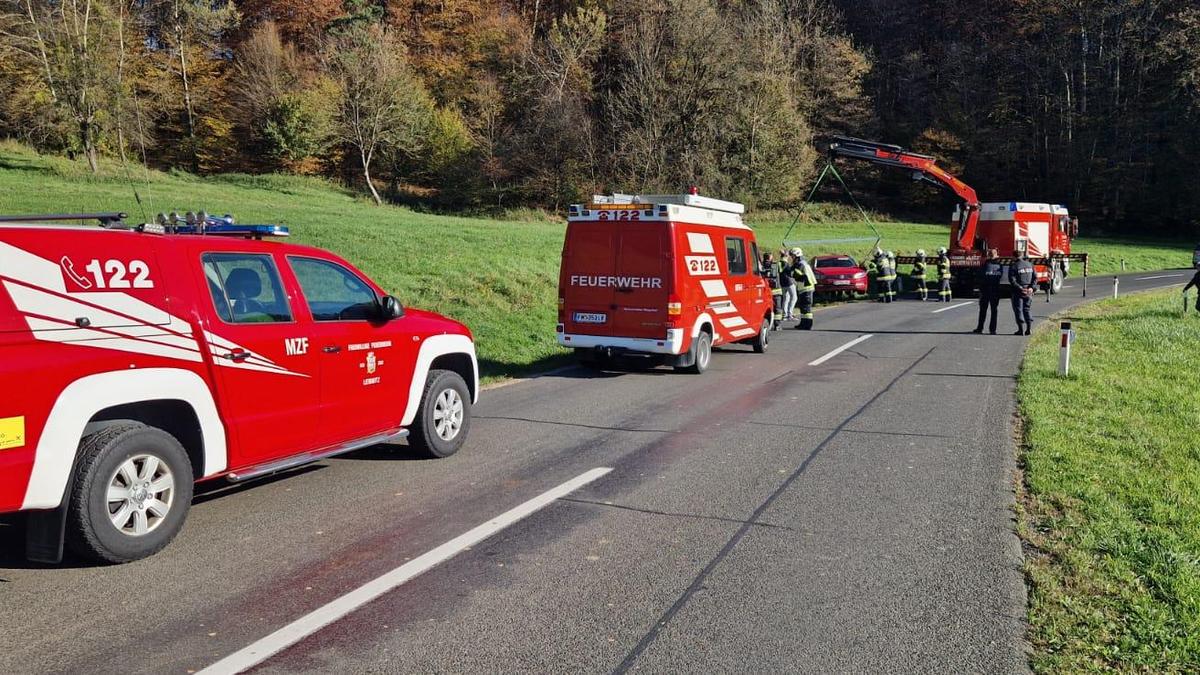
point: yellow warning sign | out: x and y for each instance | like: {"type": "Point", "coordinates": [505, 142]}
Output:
{"type": "Point", "coordinates": [12, 432]}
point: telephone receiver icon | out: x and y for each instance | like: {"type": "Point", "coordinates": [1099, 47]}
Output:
{"type": "Point", "coordinates": [69, 268]}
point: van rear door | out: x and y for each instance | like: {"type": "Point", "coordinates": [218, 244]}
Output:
{"type": "Point", "coordinates": [589, 261]}
{"type": "Point", "coordinates": [643, 279]}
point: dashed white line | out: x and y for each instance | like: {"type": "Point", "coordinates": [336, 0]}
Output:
{"type": "Point", "coordinates": [314, 621]}
{"type": "Point", "coordinates": [1161, 276]}
{"type": "Point", "coordinates": [839, 350]}
{"type": "Point", "coordinates": [947, 309]}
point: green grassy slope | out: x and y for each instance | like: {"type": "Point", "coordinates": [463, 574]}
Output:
{"type": "Point", "coordinates": [1111, 513]}
{"type": "Point", "coordinates": [497, 276]}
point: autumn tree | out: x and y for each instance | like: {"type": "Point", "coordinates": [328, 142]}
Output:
{"type": "Point", "coordinates": [382, 107]}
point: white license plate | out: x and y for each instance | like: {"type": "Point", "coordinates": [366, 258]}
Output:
{"type": "Point", "coordinates": [841, 282]}
{"type": "Point", "coordinates": [590, 317]}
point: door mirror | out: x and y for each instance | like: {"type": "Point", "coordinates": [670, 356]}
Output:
{"type": "Point", "coordinates": [390, 308]}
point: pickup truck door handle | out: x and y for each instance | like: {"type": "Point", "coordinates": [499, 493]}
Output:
{"type": "Point", "coordinates": [331, 349]}
{"type": "Point", "coordinates": [237, 356]}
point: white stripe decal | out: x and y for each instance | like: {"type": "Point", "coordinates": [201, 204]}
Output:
{"type": "Point", "coordinates": [48, 331]}
{"type": "Point", "coordinates": [743, 332]}
{"type": "Point", "coordinates": [699, 242]}
{"type": "Point", "coordinates": [839, 350]}
{"type": "Point", "coordinates": [725, 307]}
{"type": "Point", "coordinates": [321, 617]}
{"type": "Point", "coordinates": [733, 322]}
{"type": "Point", "coordinates": [714, 288]}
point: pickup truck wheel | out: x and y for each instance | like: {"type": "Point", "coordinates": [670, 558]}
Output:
{"type": "Point", "coordinates": [445, 416]}
{"type": "Point", "coordinates": [703, 347]}
{"type": "Point", "coordinates": [763, 337]}
{"type": "Point", "coordinates": [132, 492]}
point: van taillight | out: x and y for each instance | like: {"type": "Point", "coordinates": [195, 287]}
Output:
{"type": "Point", "coordinates": [674, 306]}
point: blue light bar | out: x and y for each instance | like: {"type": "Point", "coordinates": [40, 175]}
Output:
{"type": "Point", "coordinates": [236, 230]}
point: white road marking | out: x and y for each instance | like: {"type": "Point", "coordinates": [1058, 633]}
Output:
{"type": "Point", "coordinates": [1161, 276]}
{"type": "Point", "coordinates": [839, 350]}
{"type": "Point", "coordinates": [947, 309]}
{"type": "Point", "coordinates": [314, 621]}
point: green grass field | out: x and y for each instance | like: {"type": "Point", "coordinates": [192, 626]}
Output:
{"type": "Point", "coordinates": [497, 276]}
{"type": "Point", "coordinates": [1110, 513]}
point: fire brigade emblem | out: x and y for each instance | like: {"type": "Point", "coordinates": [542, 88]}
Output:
{"type": "Point", "coordinates": [371, 363]}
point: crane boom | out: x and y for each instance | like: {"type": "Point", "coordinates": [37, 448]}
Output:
{"type": "Point", "coordinates": [924, 168]}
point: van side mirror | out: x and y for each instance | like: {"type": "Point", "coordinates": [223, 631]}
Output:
{"type": "Point", "coordinates": [390, 308]}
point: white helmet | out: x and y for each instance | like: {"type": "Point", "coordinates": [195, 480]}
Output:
{"type": "Point", "coordinates": [891, 255]}
{"type": "Point", "coordinates": [941, 250]}
{"type": "Point", "coordinates": [920, 253]}
{"type": "Point", "coordinates": [878, 252]}
{"type": "Point", "coordinates": [798, 252]}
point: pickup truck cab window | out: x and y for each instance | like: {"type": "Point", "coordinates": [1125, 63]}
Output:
{"type": "Point", "coordinates": [333, 293]}
{"type": "Point", "coordinates": [245, 288]}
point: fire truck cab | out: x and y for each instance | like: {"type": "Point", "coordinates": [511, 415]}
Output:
{"type": "Point", "coordinates": [663, 276]}
{"type": "Point", "coordinates": [1040, 231]}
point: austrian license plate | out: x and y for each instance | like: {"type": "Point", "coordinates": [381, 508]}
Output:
{"type": "Point", "coordinates": [840, 282]}
{"type": "Point", "coordinates": [590, 317]}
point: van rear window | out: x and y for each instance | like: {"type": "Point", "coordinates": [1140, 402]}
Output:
{"type": "Point", "coordinates": [735, 253]}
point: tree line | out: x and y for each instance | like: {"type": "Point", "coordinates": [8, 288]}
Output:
{"type": "Point", "coordinates": [469, 103]}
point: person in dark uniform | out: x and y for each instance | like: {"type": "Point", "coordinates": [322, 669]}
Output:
{"type": "Point", "coordinates": [787, 283]}
{"type": "Point", "coordinates": [1023, 279]}
{"type": "Point", "coordinates": [771, 274]}
{"type": "Point", "coordinates": [806, 287]}
{"type": "Point", "coordinates": [1194, 283]}
{"type": "Point", "coordinates": [943, 275]}
{"type": "Point", "coordinates": [918, 275]}
{"type": "Point", "coordinates": [990, 273]}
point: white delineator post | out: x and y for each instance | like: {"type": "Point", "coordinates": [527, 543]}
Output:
{"type": "Point", "coordinates": [1116, 283]}
{"type": "Point", "coordinates": [1066, 337]}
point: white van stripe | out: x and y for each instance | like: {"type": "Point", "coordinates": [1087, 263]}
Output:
{"type": "Point", "coordinates": [714, 288]}
{"type": "Point", "coordinates": [699, 242]}
{"type": "Point", "coordinates": [50, 331]}
{"type": "Point", "coordinates": [733, 322]}
{"type": "Point", "coordinates": [723, 307]}
{"type": "Point", "coordinates": [743, 332]}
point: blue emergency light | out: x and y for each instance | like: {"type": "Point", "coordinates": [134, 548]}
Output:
{"type": "Point", "coordinates": [203, 223]}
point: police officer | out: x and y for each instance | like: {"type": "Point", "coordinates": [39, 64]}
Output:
{"type": "Point", "coordinates": [943, 275]}
{"type": "Point", "coordinates": [1023, 279]}
{"type": "Point", "coordinates": [918, 275]}
{"type": "Point", "coordinates": [771, 273]}
{"type": "Point", "coordinates": [1195, 282]}
{"type": "Point", "coordinates": [990, 273]}
{"type": "Point", "coordinates": [806, 286]}
{"type": "Point", "coordinates": [788, 284]}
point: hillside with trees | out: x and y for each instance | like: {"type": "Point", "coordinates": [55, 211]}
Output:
{"type": "Point", "coordinates": [499, 103]}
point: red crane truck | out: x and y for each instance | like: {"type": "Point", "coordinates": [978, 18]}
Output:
{"type": "Point", "coordinates": [1042, 231]}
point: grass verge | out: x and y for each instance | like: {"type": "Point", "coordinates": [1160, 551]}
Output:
{"type": "Point", "coordinates": [1110, 510]}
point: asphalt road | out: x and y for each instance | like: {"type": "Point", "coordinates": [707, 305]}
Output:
{"type": "Point", "coordinates": [769, 515]}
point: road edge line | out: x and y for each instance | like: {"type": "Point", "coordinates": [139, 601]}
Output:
{"type": "Point", "coordinates": [279, 640]}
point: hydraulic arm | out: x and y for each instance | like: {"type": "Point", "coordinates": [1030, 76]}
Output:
{"type": "Point", "coordinates": [924, 168]}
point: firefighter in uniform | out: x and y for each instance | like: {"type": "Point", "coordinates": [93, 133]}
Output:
{"type": "Point", "coordinates": [990, 273]}
{"type": "Point", "coordinates": [1194, 283]}
{"type": "Point", "coordinates": [889, 276]}
{"type": "Point", "coordinates": [943, 275]}
{"type": "Point", "coordinates": [918, 275]}
{"type": "Point", "coordinates": [1023, 279]}
{"type": "Point", "coordinates": [879, 266]}
{"type": "Point", "coordinates": [771, 273]}
{"type": "Point", "coordinates": [806, 286]}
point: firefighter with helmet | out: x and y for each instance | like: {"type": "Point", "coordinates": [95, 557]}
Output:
{"type": "Point", "coordinates": [888, 276]}
{"type": "Point", "coordinates": [943, 275]}
{"type": "Point", "coordinates": [878, 265]}
{"type": "Point", "coordinates": [918, 275]}
{"type": "Point", "coordinates": [806, 287]}
{"type": "Point", "coordinates": [770, 272]}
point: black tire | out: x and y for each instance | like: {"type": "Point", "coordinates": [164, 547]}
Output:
{"type": "Point", "coordinates": [91, 531]}
{"type": "Point", "coordinates": [763, 337]}
{"type": "Point", "coordinates": [1056, 280]}
{"type": "Point", "coordinates": [703, 354]}
{"type": "Point", "coordinates": [442, 388]}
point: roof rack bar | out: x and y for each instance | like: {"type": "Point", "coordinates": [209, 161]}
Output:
{"type": "Point", "coordinates": [104, 218]}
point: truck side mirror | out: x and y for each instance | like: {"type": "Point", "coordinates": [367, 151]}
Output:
{"type": "Point", "coordinates": [390, 308]}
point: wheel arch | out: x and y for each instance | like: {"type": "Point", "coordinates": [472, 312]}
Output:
{"type": "Point", "coordinates": [101, 399]}
{"type": "Point", "coordinates": [456, 350]}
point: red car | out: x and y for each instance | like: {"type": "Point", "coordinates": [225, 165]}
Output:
{"type": "Point", "coordinates": [839, 274]}
{"type": "Point", "coordinates": [136, 361]}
